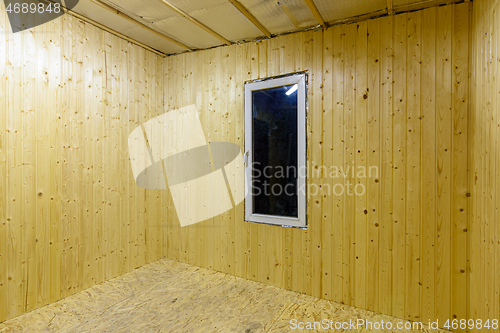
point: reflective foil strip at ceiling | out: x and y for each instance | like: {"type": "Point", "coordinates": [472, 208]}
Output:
{"type": "Point", "coordinates": [223, 18]}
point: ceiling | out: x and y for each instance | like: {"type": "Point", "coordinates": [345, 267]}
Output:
{"type": "Point", "coordinates": [175, 26]}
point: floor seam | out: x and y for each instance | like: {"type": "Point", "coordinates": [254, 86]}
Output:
{"type": "Point", "coordinates": [282, 312]}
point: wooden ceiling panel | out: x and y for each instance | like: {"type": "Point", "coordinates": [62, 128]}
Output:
{"type": "Point", "coordinates": [152, 12]}
{"type": "Point", "coordinates": [225, 19]}
{"type": "Point", "coordinates": [301, 12]}
{"type": "Point", "coordinates": [97, 13]}
{"type": "Point", "coordinates": [186, 31]}
{"type": "Point", "coordinates": [270, 14]}
{"type": "Point", "coordinates": [408, 5]}
{"type": "Point", "coordinates": [334, 10]}
{"type": "Point", "coordinates": [190, 6]}
{"type": "Point", "coordinates": [404, 2]}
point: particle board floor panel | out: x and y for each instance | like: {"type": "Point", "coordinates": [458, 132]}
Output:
{"type": "Point", "coordinates": [168, 296]}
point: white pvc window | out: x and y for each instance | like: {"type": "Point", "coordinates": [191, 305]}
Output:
{"type": "Point", "coordinates": [275, 156]}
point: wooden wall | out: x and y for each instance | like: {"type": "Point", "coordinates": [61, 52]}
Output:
{"type": "Point", "coordinates": [391, 92]}
{"type": "Point", "coordinates": [70, 213]}
{"type": "Point", "coordinates": [484, 162]}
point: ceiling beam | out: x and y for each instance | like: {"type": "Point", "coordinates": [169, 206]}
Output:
{"type": "Point", "coordinates": [142, 25]}
{"type": "Point", "coordinates": [195, 21]}
{"type": "Point", "coordinates": [316, 13]}
{"type": "Point", "coordinates": [390, 8]}
{"type": "Point", "coordinates": [289, 13]}
{"type": "Point", "coordinates": [250, 17]}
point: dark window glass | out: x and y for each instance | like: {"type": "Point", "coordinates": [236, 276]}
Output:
{"type": "Point", "coordinates": [275, 172]}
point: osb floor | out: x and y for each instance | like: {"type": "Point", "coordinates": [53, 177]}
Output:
{"type": "Point", "coordinates": [168, 296]}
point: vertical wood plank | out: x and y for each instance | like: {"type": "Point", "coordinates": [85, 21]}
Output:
{"type": "Point", "coordinates": [287, 233]}
{"type": "Point", "coordinates": [194, 98]}
{"type": "Point", "coordinates": [254, 71]}
{"type": "Point", "coordinates": [115, 155]}
{"type": "Point", "coordinates": [488, 260]}
{"type": "Point", "coordinates": [183, 101]}
{"type": "Point", "coordinates": [231, 111]}
{"type": "Point", "coordinates": [43, 168]}
{"type": "Point", "coordinates": [55, 161]}
{"type": "Point", "coordinates": [399, 166]}
{"type": "Point", "coordinates": [88, 215]}
{"type": "Point", "coordinates": [413, 171]}
{"type": "Point", "coordinates": [78, 145]}
{"type": "Point", "coordinates": [373, 162]}
{"type": "Point", "coordinates": [460, 103]}
{"type": "Point", "coordinates": [348, 253]}
{"type": "Point", "coordinates": [386, 142]}
{"type": "Point", "coordinates": [160, 109]}
{"type": "Point", "coordinates": [69, 233]}
{"type": "Point", "coordinates": [307, 51]}
{"type": "Point", "coordinates": [428, 171]}
{"type": "Point", "coordinates": [338, 161]}
{"type": "Point", "coordinates": [478, 280]}
{"type": "Point", "coordinates": [259, 231]}
{"type": "Point", "coordinates": [124, 120]}
{"type": "Point", "coordinates": [151, 204]}
{"type": "Point", "coordinates": [206, 226]}
{"type": "Point", "coordinates": [297, 234]}
{"type": "Point", "coordinates": [107, 162]}
{"type": "Point", "coordinates": [472, 150]}
{"type": "Point", "coordinates": [15, 212]}
{"type": "Point", "coordinates": [241, 235]}
{"type": "Point", "coordinates": [3, 164]}
{"type": "Point", "coordinates": [316, 162]}
{"type": "Point", "coordinates": [169, 75]}
{"type": "Point", "coordinates": [211, 227]}
{"type": "Point", "coordinates": [360, 168]}
{"type": "Point", "coordinates": [443, 159]}
{"type": "Point", "coordinates": [224, 136]}
{"type": "Point", "coordinates": [217, 136]}
{"type": "Point", "coordinates": [327, 196]}
{"type": "Point", "coordinates": [28, 168]}
{"type": "Point", "coordinates": [496, 159]}
{"type": "Point", "coordinates": [97, 154]}
{"type": "Point", "coordinates": [69, 166]}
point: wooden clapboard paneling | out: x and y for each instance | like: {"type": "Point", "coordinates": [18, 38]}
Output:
{"type": "Point", "coordinates": [70, 94]}
{"type": "Point", "coordinates": [413, 166]}
{"type": "Point", "coordinates": [389, 93]}
{"type": "Point", "coordinates": [483, 162]}
{"type": "Point", "coordinates": [3, 169]}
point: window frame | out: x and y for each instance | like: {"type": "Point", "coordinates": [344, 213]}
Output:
{"type": "Point", "coordinates": [300, 79]}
